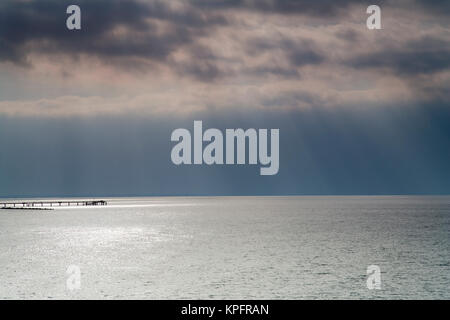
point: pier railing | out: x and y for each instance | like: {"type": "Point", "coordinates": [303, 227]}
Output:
{"type": "Point", "coordinates": [56, 203]}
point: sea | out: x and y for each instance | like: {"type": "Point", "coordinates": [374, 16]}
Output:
{"type": "Point", "coordinates": [296, 247]}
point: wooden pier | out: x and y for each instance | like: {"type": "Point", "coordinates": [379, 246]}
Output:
{"type": "Point", "coordinates": [50, 203]}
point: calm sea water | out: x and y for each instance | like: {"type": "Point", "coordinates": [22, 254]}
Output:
{"type": "Point", "coordinates": [230, 247]}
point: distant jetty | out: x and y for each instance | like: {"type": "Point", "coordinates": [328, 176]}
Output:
{"type": "Point", "coordinates": [26, 208]}
{"type": "Point", "coordinates": [43, 205]}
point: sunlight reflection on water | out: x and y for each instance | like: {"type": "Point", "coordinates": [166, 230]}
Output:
{"type": "Point", "coordinates": [230, 247]}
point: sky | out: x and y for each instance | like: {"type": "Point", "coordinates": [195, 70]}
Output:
{"type": "Point", "coordinates": [90, 112]}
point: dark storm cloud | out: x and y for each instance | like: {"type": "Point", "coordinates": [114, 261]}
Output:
{"type": "Point", "coordinates": [348, 35]}
{"type": "Point", "coordinates": [157, 29]}
{"type": "Point", "coordinates": [345, 98]}
{"type": "Point", "coordinates": [424, 56]}
{"type": "Point", "coordinates": [436, 6]}
{"type": "Point", "coordinates": [201, 70]}
{"type": "Point", "coordinates": [201, 65]}
{"type": "Point", "coordinates": [180, 37]}
{"type": "Point", "coordinates": [318, 8]}
{"type": "Point", "coordinates": [321, 8]}
{"type": "Point", "coordinates": [205, 65]}
{"type": "Point", "coordinates": [298, 52]}
{"type": "Point", "coordinates": [40, 26]}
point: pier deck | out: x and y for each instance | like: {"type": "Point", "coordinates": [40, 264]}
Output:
{"type": "Point", "coordinates": [51, 203]}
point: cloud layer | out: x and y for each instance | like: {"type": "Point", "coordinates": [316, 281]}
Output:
{"type": "Point", "coordinates": [183, 56]}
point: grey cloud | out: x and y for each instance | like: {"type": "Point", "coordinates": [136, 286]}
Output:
{"type": "Point", "coordinates": [321, 8]}
{"type": "Point", "coordinates": [348, 35]}
{"type": "Point", "coordinates": [436, 6]}
{"type": "Point", "coordinates": [285, 72]}
{"type": "Point", "coordinates": [423, 56]}
{"type": "Point", "coordinates": [40, 26]}
{"type": "Point", "coordinates": [201, 70]}
{"type": "Point", "coordinates": [206, 65]}
{"type": "Point", "coordinates": [299, 52]}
